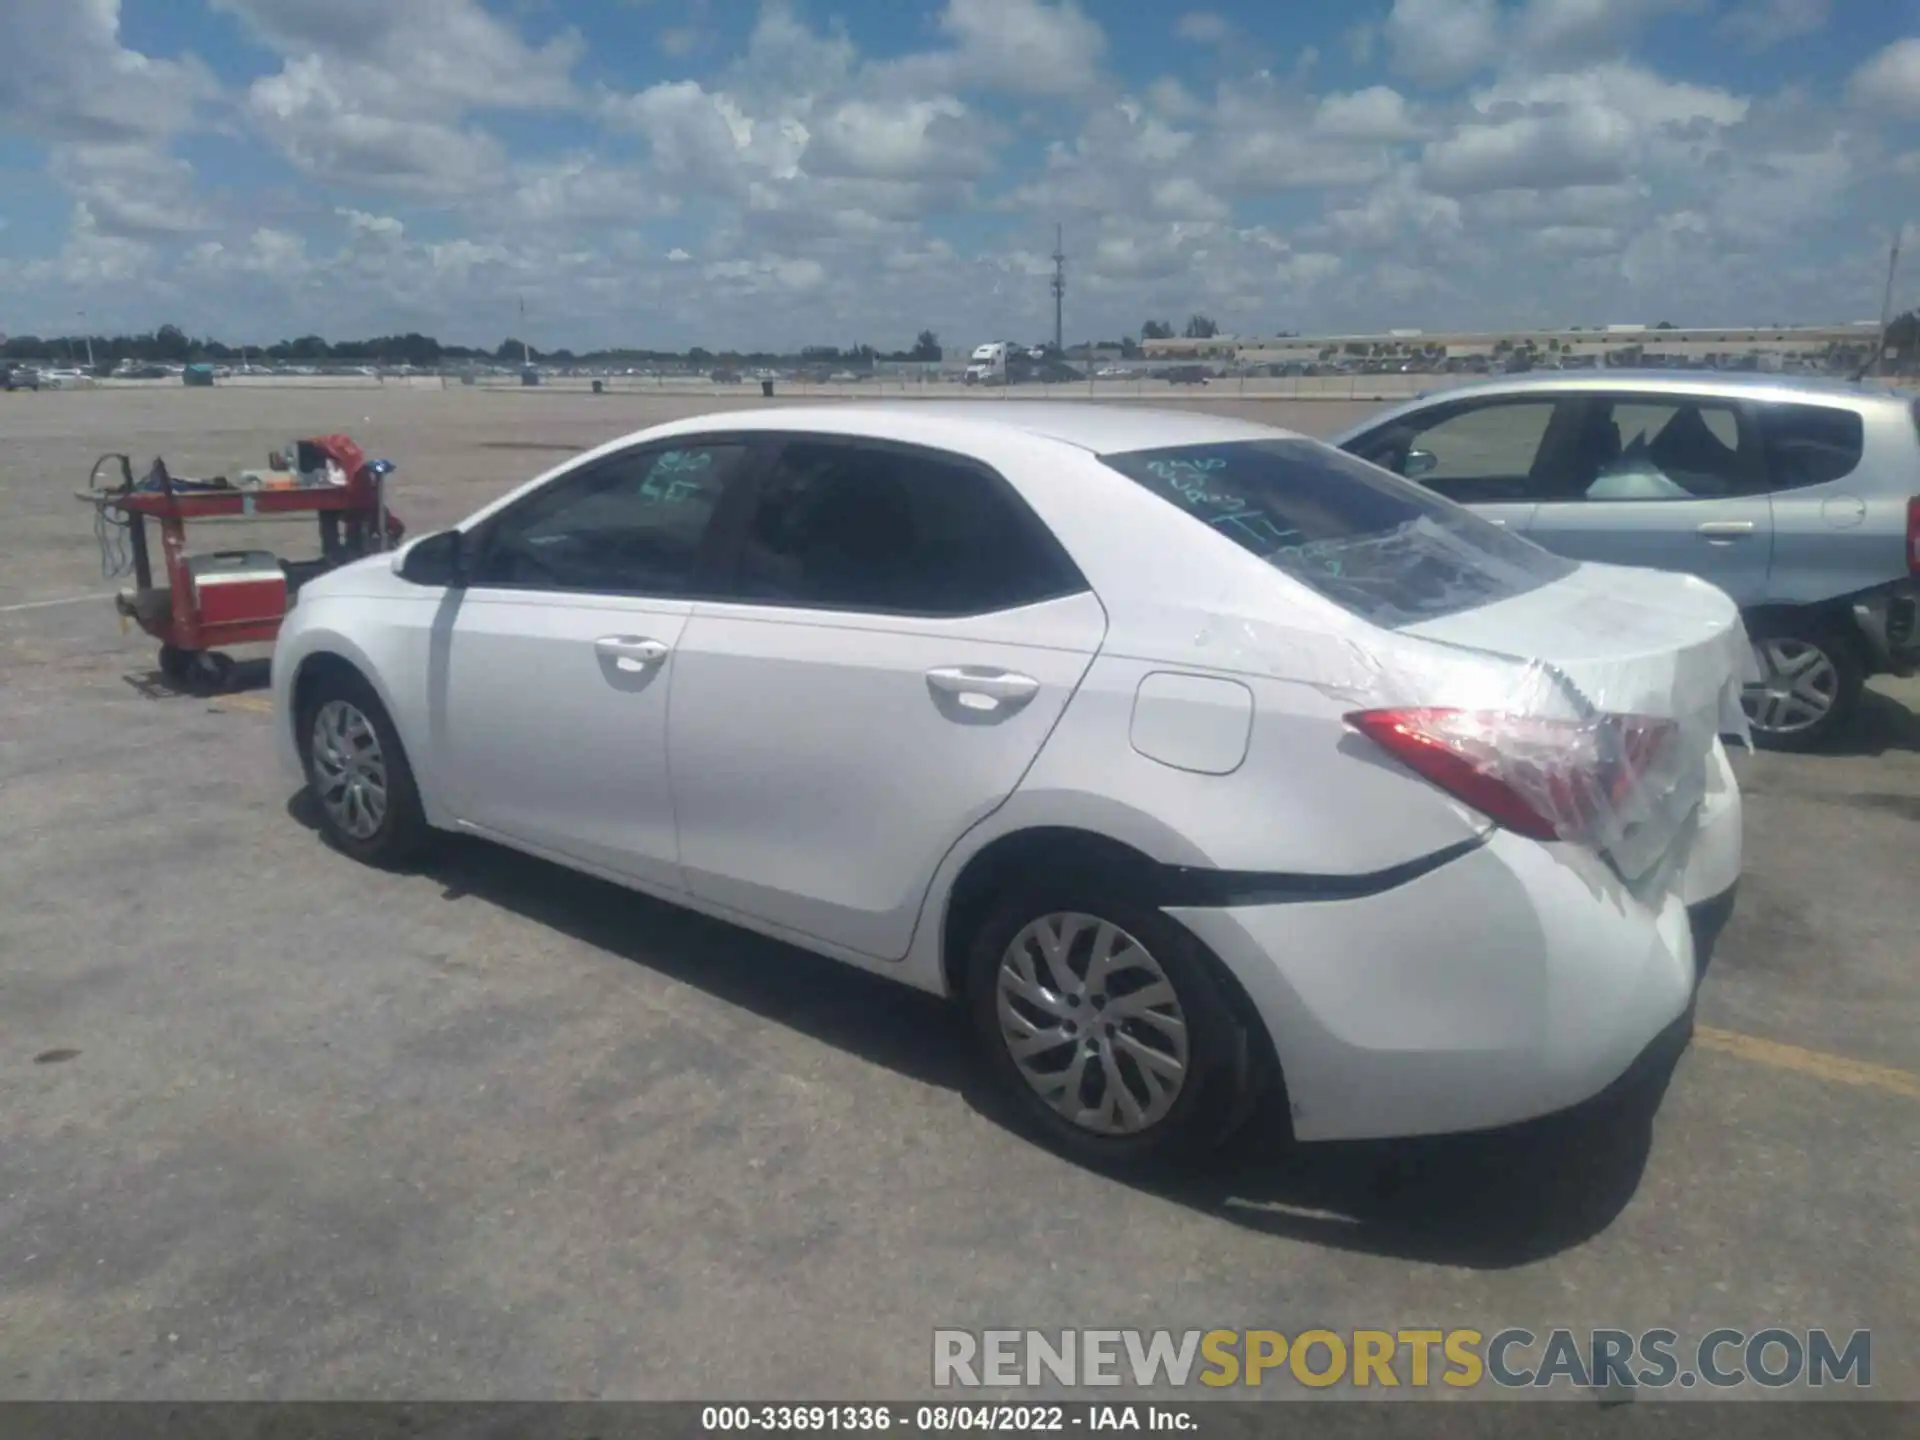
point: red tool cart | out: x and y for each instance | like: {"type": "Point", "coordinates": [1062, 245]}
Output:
{"type": "Point", "coordinates": [234, 597]}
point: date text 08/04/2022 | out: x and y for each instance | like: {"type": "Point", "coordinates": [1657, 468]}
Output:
{"type": "Point", "coordinates": [941, 1418]}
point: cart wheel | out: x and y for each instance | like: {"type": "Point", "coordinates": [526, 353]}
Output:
{"type": "Point", "coordinates": [212, 672]}
{"type": "Point", "coordinates": [177, 664]}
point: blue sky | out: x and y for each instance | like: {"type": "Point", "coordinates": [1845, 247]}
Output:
{"type": "Point", "coordinates": [786, 172]}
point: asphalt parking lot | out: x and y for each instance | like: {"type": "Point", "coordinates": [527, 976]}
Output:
{"type": "Point", "coordinates": [272, 1125]}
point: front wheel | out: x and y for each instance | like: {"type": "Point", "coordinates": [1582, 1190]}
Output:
{"type": "Point", "coordinates": [357, 772]}
{"type": "Point", "coordinates": [1105, 1025]}
{"type": "Point", "coordinates": [1810, 681]}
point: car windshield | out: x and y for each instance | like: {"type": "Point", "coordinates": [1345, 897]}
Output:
{"type": "Point", "coordinates": [1372, 543]}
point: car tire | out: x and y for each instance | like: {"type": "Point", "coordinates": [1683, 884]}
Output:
{"type": "Point", "coordinates": [346, 736]}
{"type": "Point", "coordinates": [1840, 675]}
{"type": "Point", "coordinates": [176, 666]}
{"type": "Point", "coordinates": [1220, 1060]}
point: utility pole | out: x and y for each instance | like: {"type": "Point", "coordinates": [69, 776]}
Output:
{"type": "Point", "coordinates": [1059, 290]}
{"type": "Point", "coordinates": [1886, 301]}
{"type": "Point", "coordinates": [89, 335]}
{"type": "Point", "coordinates": [526, 355]}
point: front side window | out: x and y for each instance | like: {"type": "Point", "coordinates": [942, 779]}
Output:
{"type": "Point", "coordinates": [633, 524]}
{"type": "Point", "coordinates": [894, 531]}
{"type": "Point", "coordinates": [1659, 449]}
{"type": "Point", "coordinates": [1484, 453]}
{"type": "Point", "coordinates": [1372, 543]}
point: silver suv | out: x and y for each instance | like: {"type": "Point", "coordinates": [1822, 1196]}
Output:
{"type": "Point", "coordinates": [1800, 499]}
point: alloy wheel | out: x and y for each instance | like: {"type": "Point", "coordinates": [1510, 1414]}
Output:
{"type": "Point", "coordinates": [349, 769]}
{"type": "Point", "coordinates": [1092, 1023]}
{"type": "Point", "coordinates": [1798, 686]}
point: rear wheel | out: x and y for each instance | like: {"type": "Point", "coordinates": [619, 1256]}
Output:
{"type": "Point", "coordinates": [199, 672]}
{"type": "Point", "coordinates": [1106, 1027]}
{"type": "Point", "coordinates": [1811, 679]}
{"type": "Point", "coordinates": [357, 773]}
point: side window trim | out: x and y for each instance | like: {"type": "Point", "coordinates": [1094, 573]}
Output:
{"type": "Point", "coordinates": [1749, 461]}
{"type": "Point", "coordinates": [774, 444]}
{"type": "Point", "coordinates": [726, 519]}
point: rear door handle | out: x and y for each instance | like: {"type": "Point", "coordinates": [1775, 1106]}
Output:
{"type": "Point", "coordinates": [632, 652]}
{"type": "Point", "coordinates": [1726, 529]}
{"type": "Point", "coordinates": [982, 689]}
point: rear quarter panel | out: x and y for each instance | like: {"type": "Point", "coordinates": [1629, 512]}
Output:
{"type": "Point", "coordinates": [1849, 535]}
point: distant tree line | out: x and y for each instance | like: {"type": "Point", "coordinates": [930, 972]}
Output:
{"type": "Point", "coordinates": [172, 345]}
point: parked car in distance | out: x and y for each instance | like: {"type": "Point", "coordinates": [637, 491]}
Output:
{"type": "Point", "coordinates": [1185, 374]}
{"type": "Point", "coordinates": [21, 377]}
{"type": "Point", "coordinates": [1799, 498]}
{"type": "Point", "coordinates": [1202, 761]}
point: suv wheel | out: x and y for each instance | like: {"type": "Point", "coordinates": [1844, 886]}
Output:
{"type": "Point", "coordinates": [1811, 678]}
{"type": "Point", "coordinates": [1104, 1024]}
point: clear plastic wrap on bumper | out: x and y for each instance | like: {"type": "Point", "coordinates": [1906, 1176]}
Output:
{"type": "Point", "coordinates": [1605, 736]}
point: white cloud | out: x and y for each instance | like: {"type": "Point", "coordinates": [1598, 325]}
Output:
{"type": "Point", "coordinates": [1203, 27]}
{"type": "Point", "coordinates": [384, 92]}
{"type": "Point", "coordinates": [1763, 24]}
{"type": "Point", "coordinates": [1889, 83]}
{"type": "Point", "coordinates": [327, 128]}
{"type": "Point", "coordinates": [1573, 147]}
{"type": "Point", "coordinates": [1592, 127]}
{"type": "Point", "coordinates": [1038, 48]}
{"type": "Point", "coordinates": [1393, 214]}
{"type": "Point", "coordinates": [452, 53]}
{"type": "Point", "coordinates": [131, 189]}
{"type": "Point", "coordinates": [1568, 31]}
{"type": "Point", "coordinates": [65, 75]}
{"type": "Point", "coordinates": [1576, 240]}
{"type": "Point", "coordinates": [1442, 42]}
{"type": "Point", "coordinates": [902, 140]}
{"type": "Point", "coordinates": [1525, 162]}
{"type": "Point", "coordinates": [1378, 113]}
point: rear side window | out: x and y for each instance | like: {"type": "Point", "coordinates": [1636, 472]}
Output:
{"type": "Point", "coordinates": [899, 531]}
{"type": "Point", "coordinates": [1650, 448]}
{"type": "Point", "coordinates": [1810, 444]}
{"type": "Point", "coordinates": [1372, 543]}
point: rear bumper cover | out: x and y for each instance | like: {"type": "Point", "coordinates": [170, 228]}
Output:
{"type": "Point", "coordinates": [1517, 982]}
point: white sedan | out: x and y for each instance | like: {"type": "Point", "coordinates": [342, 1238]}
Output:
{"type": "Point", "coordinates": [1201, 760]}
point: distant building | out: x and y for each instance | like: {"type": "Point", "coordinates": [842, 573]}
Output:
{"type": "Point", "coordinates": [1676, 345]}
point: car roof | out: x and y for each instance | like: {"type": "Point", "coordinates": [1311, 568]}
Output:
{"type": "Point", "coordinates": [1103, 427]}
{"type": "Point", "coordinates": [1746, 385]}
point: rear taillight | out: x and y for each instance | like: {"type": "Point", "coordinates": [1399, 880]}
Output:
{"type": "Point", "coordinates": [1913, 536]}
{"type": "Point", "coordinates": [1546, 779]}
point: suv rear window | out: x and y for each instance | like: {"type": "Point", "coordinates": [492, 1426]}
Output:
{"type": "Point", "coordinates": [1372, 543]}
{"type": "Point", "coordinates": [1810, 444]}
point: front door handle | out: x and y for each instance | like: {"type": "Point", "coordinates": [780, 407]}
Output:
{"type": "Point", "coordinates": [982, 689]}
{"type": "Point", "coordinates": [632, 652]}
{"type": "Point", "coordinates": [1726, 529]}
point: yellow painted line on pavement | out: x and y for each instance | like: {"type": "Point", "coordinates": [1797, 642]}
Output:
{"type": "Point", "coordinates": [258, 704]}
{"type": "Point", "coordinates": [1815, 1063]}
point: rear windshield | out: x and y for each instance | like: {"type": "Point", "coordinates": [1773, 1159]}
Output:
{"type": "Point", "coordinates": [1372, 543]}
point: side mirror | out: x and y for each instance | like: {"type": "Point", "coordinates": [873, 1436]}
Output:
{"type": "Point", "coordinates": [437, 560]}
{"type": "Point", "coordinates": [1418, 463]}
